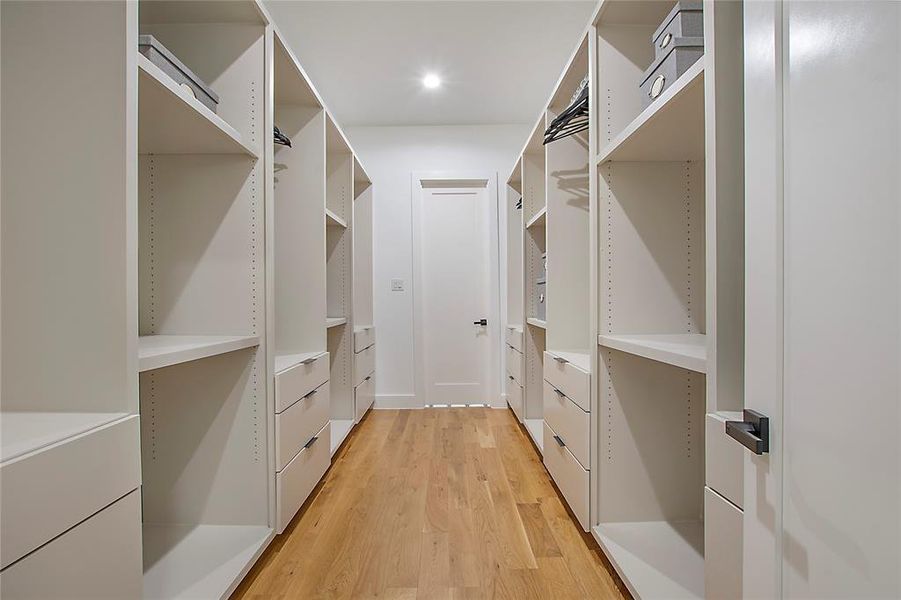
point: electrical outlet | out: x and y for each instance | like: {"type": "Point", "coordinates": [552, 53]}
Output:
{"type": "Point", "coordinates": [397, 285]}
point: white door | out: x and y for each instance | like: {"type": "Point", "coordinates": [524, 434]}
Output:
{"type": "Point", "coordinates": [823, 154]}
{"type": "Point", "coordinates": [454, 292]}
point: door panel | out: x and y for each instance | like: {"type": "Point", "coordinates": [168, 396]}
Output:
{"type": "Point", "coordinates": [455, 260]}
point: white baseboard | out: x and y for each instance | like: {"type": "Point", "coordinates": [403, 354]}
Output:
{"type": "Point", "coordinates": [396, 401]}
{"type": "Point", "coordinates": [500, 402]}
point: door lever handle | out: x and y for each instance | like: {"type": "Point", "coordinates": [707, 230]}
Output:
{"type": "Point", "coordinates": [481, 322]}
{"type": "Point", "coordinates": [753, 432]}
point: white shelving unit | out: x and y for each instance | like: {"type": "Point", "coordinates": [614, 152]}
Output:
{"type": "Point", "coordinates": [69, 440]}
{"type": "Point", "coordinates": [201, 295]}
{"type": "Point", "coordinates": [364, 337]}
{"type": "Point", "coordinates": [669, 250]}
{"type": "Point", "coordinates": [335, 322]}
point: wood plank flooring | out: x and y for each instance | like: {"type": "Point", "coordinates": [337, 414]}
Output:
{"type": "Point", "coordinates": [436, 503]}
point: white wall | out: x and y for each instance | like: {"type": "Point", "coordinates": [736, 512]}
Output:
{"type": "Point", "coordinates": [390, 155]}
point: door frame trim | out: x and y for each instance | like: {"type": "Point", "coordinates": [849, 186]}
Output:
{"type": "Point", "coordinates": [458, 179]}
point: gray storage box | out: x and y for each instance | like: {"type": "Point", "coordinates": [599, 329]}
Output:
{"type": "Point", "coordinates": [683, 53]}
{"type": "Point", "coordinates": [685, 20]}
{"type": "Point", "coordinates": [541, 298]}
{"type": "Point", "coordinates": [160, 56]}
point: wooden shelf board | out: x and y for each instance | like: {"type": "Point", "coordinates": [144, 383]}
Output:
{"type": "Point", "coordinates": [172, 121]}
{"type": "Point", "coordinates": [670, 129]}
{"type": "Point", "coordinates": [579, 359]}
{"type": "Point", "coordinates": [286, 361]}
{"type": "Point", "coordinates": [537, 322]}
{"type": "Point", "coordinates": [334, 321]}
{"type": "Point", "coordinates": [535, 427]}
{"type": "Point", "coordinates": [291, 86]}
{"type": "Point", "coordinates": [539, 220]}
{"type": "Point", "coordinates": [23, 432]}
{"type": "Point", "coordinates": [688, 351]}
{"type": "Point", "coordinates": [656, 559]}
{"type": "Point", "coordinates": [199, 561]}
{"type": "Point", "coordinates": [340, 430]}
{"type": "Point", "coordinates": [333, 220]}
{"type": "Point", "coordinates": [158, 351]}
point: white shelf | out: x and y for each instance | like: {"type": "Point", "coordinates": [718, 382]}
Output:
{"type": "Point", "coordinates": [579, 359]}
{"type": "Point", "coordinates": [688, 351]}
{"type": "Point", "coordinates": [286, 361]}
{"type": "Point", "coordinates": [670, 129]}
{"type": "Point", "coordinates": [535, 427]}
{"type": "Point", "coordinates": [656, 559]}
{"type": "Point", "coordinates": [539, 220]}
{"type": "Point", "coordinates": [208, 11]}
{"type": "Point", "coordinates": [157, 351]}
{"type": "Point", "coordinates": [334, 321]}
{"type": "Point", "coordinates": [537, 322]}
{"type": "Point", "coordinates": [172, 121]}
{"type": "Point", "coordinates": [340, 430]}
{"type": "Point", "coordinates": [199, 561]}
{"type": "Point", "coordinates": [22, 432]}
{"type": "Point", "coordinates": [333, 220]}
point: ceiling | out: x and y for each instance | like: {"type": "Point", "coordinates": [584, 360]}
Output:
{"type": "Point", "coordinates": [498, 60]}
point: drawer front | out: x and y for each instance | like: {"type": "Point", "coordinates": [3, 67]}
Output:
{"type": "Point", "coordinates": [568, 474]}
{"type": "Point", "coordinates": [295, 482]}
{"type": "Point", "coordinates": [514, 397]}
{"type": "Point", "coordinates": [364, 337]}
{"type": "Point", "coordinates": [364, 365]}
{"type": "Point", "coordinates": [99, 558]}
{"type": "Point", "coordinates": [514, 364]}
{"type": "Point", "coordinates": [569, 379]}
{"type": "Point", "coordinates": [724, 462]}
{"type": "Point", "coordinates": [569, 422]}
{"type": "Point", "coordinates": [298, 423]}
{"type": "Point", "coordinates": [722, 547]}
{"type": "Point", "coordinates": [514, 338]}
{"type": "Point", "coordinates": [47, 492]}
{"type": "Point", "coordinates": [293, 384]}
{"type": "Point", "coordinates": [364, 396]}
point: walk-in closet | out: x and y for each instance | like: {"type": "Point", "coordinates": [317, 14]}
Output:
{"type": "Point", "coordinates": [634, 266]}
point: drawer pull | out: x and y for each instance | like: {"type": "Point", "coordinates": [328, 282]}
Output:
{"type": "Point", "coordinates": [559, 441]}
{"type": "Point", "coordinates": [310, 395]}
{"type": "Point", "coordinates": [510, 377]}
{"type": "Point", "coordinates": [308, 361]}
{"type": "Point", "coordinates": [560, 394]}
{"type": "Point", "coordinates": [561, 360]}
{"type": "Point", "coordinates": [311, 442]}
{"type": "Point", "coordinates": [368, 378]}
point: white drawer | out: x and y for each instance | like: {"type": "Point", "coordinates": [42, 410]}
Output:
{"type": "Point", "coordinates": [572, 380]}
{"type": "Point", "coordinates": [722, 547]}
{"type": "Point", "coordinates": [724, 458]}
{"type": "Point", "coordinates": [364, 337]}
{"type": "Point", "coordinates": [296, 382]}
{"type": "Point", "coordinates": [514, 338]}
{"type": "Point", "coordinates": [364, 396]}
{"type": "Point", "coordinates": [514, 364]}
{"type": "Point", "coordinates": [514, 397]}
{"type": "Point", "coordinates": [364, 364]}
{"type": "Point", "coordinates": [48, 491]}
{"type": "Point", "coordinates": [298, 423]}
{"type": "Point", "coordinates": [295, 482]}
{"type": "Point", "coordinates": [99, 558]}
{"type": "Point", "coordinates": [568, 474]}
{"type": "Point", "coordinates": [569, 422]}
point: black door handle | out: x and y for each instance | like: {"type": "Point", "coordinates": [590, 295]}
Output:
{"type": "Point", "coordinates": [482, 322]}
{"type": "Point", "coordinates": [753, 432]}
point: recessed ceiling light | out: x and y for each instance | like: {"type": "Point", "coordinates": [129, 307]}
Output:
{"type": "Point", "coordinates": [431, 81]}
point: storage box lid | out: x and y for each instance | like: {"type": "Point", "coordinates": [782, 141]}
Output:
{"type": "Point", "coordinates": [151, 42]}
{"type": "Point", "coordinates": [680, 7]}
{"type": "Point", "coordinates": [679, 42]}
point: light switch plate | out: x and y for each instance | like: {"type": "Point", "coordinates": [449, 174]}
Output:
{"type": "Point", "coordinates": [397, 285]}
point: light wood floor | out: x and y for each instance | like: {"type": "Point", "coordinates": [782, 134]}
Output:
{"type": "Point", "coordinates": [436, 503]}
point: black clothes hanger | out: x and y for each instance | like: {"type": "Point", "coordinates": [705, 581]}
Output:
{"type": "Point", "coordinates": [571, 121]}
{"type": "Point", "coordinates": [281, 139]}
